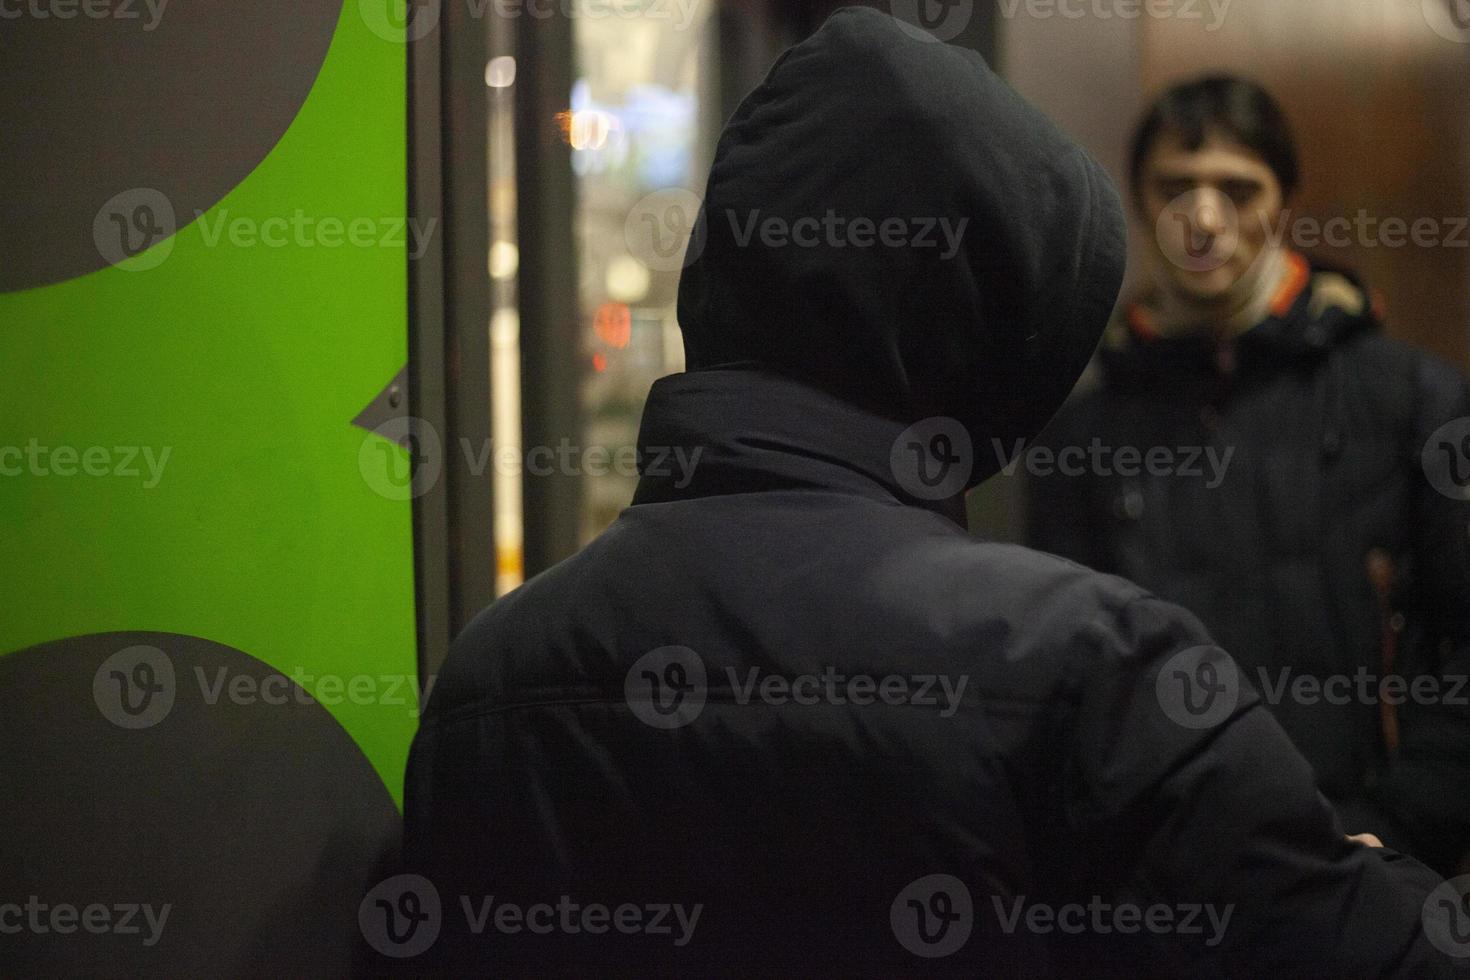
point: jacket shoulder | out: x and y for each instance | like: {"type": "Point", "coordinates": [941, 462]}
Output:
{"type": "Point", "coordinates": [1417, 386]}
{"type": "Point", "coordinates": [1057, 609]}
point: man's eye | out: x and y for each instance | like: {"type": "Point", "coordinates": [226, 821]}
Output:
{"type": "Point", "coordinates": [1170, 189]}
{"type": "Point", "coordinates": [1241, 192]}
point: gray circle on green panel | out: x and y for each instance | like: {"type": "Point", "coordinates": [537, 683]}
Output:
{"type": "Point", "coordinates": [177, 807]}
{"type": "Point", "coordinates": [140, 116]}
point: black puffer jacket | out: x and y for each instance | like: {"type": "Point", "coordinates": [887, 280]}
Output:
{"type": "Point", "coordinates": [1309, 453]}
{"type": "Point", "coordinates": [785, 717]}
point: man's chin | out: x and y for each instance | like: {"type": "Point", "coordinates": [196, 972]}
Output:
{"type": "Point", "coordinates": [1207, 288]}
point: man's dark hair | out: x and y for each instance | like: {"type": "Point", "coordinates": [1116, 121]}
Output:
{"type": "Point", "coordinates": [1235, 108]}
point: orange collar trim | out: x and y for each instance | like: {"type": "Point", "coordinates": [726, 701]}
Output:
{"type": "Point", "coordinates": [1298, 274]}
{"type": "Point", "coordinates": [1298, 271]}
{"type": "Point", "coordinates": [1140, 321]}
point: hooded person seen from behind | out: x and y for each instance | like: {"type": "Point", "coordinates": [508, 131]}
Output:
{"type": "Point", "coordinates": [785, 716]}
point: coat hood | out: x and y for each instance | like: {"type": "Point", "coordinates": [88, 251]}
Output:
{"type": "Point", "coordinates": [889, 221]}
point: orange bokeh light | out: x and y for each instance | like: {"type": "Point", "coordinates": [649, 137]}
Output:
{"type": "Point", "coordinates": [614, 324]}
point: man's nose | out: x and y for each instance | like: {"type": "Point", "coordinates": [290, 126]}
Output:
{"type": "Point", "coordinates": [1211, 216]}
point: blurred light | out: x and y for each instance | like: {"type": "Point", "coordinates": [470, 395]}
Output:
{"type": "Point", "coordinates": [614, 324]}
{"type": "Point", "coordinates": [500, 72]}
{"type": "Point", "coordinates": [505, 418]}
{"type": "Point", "coordinates": [663, 124]}
{"type": "Point", "coordinates": [627, 279]}
{"type": "Point", "coordinates": [505, 259]}
{"type": "Point", "coordinates": [505, 327]}
{"type": "Point", "coordinates": [503, 198]}
{"type": "Point", "coordinates": [599, 137]}
{"type": "Point", "coordinates": [585, 129]}
{"type": "Point", "coordinates": [599, 363]}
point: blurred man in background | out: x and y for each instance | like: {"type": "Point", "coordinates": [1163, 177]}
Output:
{"type": "Point", "coordinates": [1258, 451]}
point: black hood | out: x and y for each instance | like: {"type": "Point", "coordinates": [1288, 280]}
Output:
{"type": "Point", "coordinates": [889, 221]}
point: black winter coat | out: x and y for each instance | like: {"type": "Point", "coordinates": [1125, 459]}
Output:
{"type": "Point", "coordinates": [808, 828]}
{"type": "Point", "coordinates": [1322, 443]}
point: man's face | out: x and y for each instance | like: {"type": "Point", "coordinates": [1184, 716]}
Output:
{"type": "Point", "coordinates": [1211, 212]}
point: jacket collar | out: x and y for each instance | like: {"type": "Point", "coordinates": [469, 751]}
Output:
{"type": "Point", "coordinates": [755, 430]}
{"type": "Point", "coordinates": [1317, 308]}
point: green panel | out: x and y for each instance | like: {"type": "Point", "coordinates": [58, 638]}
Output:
{"type": "Point", "coordinates": [245, 364]}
